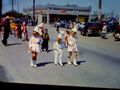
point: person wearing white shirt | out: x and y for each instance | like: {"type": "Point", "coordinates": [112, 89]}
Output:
{"type": "Point", "coordinates": [58, 50]}
{"type": "Point", "coordinates": [104, 31]}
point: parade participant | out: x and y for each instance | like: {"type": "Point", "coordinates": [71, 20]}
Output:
{"type": "Point", "coordinates": [46, 39]}
{"type": "Point", "coordinates": [18, 31]}
{"type": "Point", "coordinates": [61, 33]}
{"type": "Point", "coordinates": [24, 32]}
{"type": "Point", "coordinates": [72, 48]}
{"type": "Point", "coordinates": [41, 26]}
{"type": "Point", "coordinates": [6, 30]}
{"type": "Point", "coordinates": [34, 49]}
{"type": "Point", "coordinates": [67, 34]}
{"type": "Point", "coordinates": [58, 49]}
{"type": "Point", "coordinates": [71, 26]}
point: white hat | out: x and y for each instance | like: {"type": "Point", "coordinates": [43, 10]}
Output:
{"type": "Point", "coordinates": [59, 36]}
{"type": "Point", "coordinates": [24, 23]}
{"type": "Point", "coordinates": [36, 29]}
{"type": "Point", "coordinates": [7, 17]}
{"type": "Point", "coordinates": [62, 32]}
{"type": "Point", "coordinates": [74, 29]}
{"type": "Point", "coordinates": [41, 25]}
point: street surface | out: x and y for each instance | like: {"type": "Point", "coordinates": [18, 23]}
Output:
{"type": "Point", "coordinates": [99, 63]}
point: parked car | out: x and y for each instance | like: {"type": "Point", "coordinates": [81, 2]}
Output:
{"type": "Point", "coordinates": [92, 28]}
{"type": "Point", "coordinates": [64, 24]}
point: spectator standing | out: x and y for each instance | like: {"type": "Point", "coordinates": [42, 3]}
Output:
{"type": "Point", "coordinates": [6, 30]}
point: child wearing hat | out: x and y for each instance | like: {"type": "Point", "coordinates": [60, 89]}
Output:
{"type": "Point", "coordinates": [58, 48]}
{"type": "Point", "coordinates": [67, 34]}
{"type": "Point", "coordinates": [34, 48]}
{"type": "Point", "coordinates": [72, 48]}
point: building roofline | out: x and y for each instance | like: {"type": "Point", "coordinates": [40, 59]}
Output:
{"type": "Point", "coordinates": [57, 7]}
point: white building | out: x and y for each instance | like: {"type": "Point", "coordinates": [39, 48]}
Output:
{"type": "Point", "coordinates": [50, 13]}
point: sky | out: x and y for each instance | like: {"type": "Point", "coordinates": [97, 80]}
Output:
{"type": "Point", "coordinates": [108, 6]}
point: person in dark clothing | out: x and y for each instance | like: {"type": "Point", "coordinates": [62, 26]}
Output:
{"type": "Point", "coordinates": [46, 39]}
{"type": "Point", "coordinates": [58, 26]}
{"type": "Point", "coordinates": [6, 31]}
{"type": "Point", "coordinates": [19, 31]}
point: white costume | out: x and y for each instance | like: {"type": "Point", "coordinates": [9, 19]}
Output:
{"type": "Point", "coordinates": [39, 29]}
{"type": "Point", "coordinates": [58, 48]}
{"type": "Point", "coordinates": [34, 44]}
{"type": "Point", "coordinates": [60, 35]}
{"type": "Point", "coordinates": [72, 46]}
{"type": "Point", "coordinates": [34, 47]}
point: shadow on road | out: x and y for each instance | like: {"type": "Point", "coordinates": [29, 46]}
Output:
{"type": "Point", "coordinates": [43, 64]}
{"type": "Point", "coordinates": [93, 35]}
{"type": "Point", "coordinates": [78, 62]}
{"type": "Point", "coordinates": [3, 75]}
{"type": "Point", "coordinates": [48, 50]}
{"type": "Point", "coordinates": [14, 44]}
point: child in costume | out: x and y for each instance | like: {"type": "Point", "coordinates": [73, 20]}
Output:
{"type": "Point", "coordinates": [58, 49]}
{"type": "Point", "coordinates": [34, 47]}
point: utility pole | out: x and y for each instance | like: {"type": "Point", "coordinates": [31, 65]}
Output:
{"type": "Point", "coordinates": [18, 5]}
{"type": "Point", "coordinates": [0, 9]}
{"type": "Point", "coordinates": [100, 11]}
{"type": "Point", "coordinates": [34, 10]}
{"type": "Point", "coordinates": [12, 5]}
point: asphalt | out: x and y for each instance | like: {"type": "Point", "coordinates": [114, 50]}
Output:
{"type": "Point", "coordinates": [99, 63]}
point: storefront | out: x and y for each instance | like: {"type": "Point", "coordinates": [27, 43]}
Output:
{"type": "Point", "coordinates": [51, 13]}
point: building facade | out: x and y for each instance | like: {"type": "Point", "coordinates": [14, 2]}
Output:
{"type": "Point", "coordinates": [51, 13]}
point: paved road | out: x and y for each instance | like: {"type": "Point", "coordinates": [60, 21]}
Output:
{"type": "Point", "coordinates": [99, 63]}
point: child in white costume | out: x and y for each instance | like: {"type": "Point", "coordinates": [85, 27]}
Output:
{"type": "Point", "coordinates": [72, 48]}
{"type": "Point", "coordinates": [58, 49]}
{"type": "Point", "coordinates": [34, 48]}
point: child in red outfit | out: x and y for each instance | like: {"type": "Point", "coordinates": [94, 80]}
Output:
{"type": "Point", "coordinates": [24, 32]}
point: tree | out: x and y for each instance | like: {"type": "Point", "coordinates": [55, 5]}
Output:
{"type": "Point", "coordinates": [14, 14]}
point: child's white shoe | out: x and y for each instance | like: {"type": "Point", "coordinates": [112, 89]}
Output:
{"type": "Point", "coordinates": [69, 63]}
{"type": "Point", "coordinates": [35, 66]}
{"type": "Point", "coordinates": [61, 64]}
{"type": "Point", "coordinates": [31, 64]}
{"type": "Point", "coordinates": [75, 63]}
